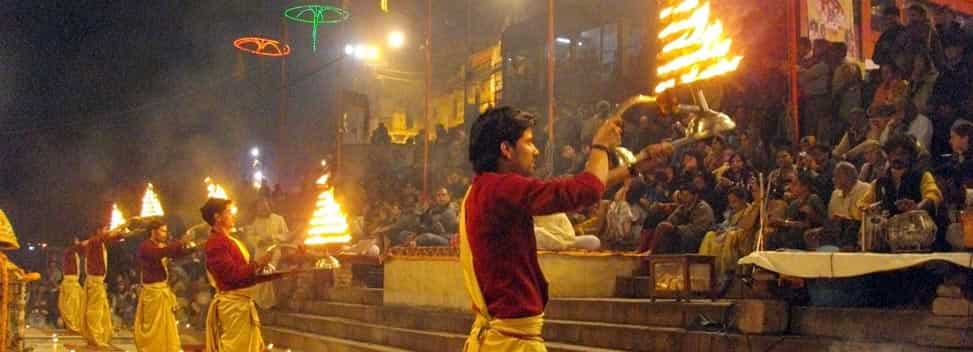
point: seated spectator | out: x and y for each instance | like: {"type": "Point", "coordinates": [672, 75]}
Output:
{"type": "Point", "coordinates": [439, 222]}
{"type": "Point", "coordinates": [891, 94]}
{"type": "Point", "coordinates": [737, 173]}
{"type": "Point", "coordinates": [780, 176]}
{"type": "Point", "coordinates": [875, 163]}
{"type": "Point", "coordinates": [556, 233]}
{"type": "Point", "coordinates": [912, 123]}
{"type": "Point", "coordinates": [856, 134]}
{"type": "Point", "coordinates": [683, 230]}
{"type": "Point", "coordinates": [570, 162]}
{"type": "Point", "coordinates": [401, 228]}
{"type": "Point", "coordinates": [736, 236]}
{"type": "Point", "coordinates": [821, 168]}
{"type": "Point", "coordinates": [623, 222]}
{"type": "Point", "coordinates": [804, 212]}
{"type": "Point", "coordinates": [716, 156]}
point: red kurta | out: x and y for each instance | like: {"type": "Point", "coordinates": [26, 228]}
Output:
{"type": "Point", "coordinates": [72, 258]}
{"type": "Point", "coordinates": [226, 264]}
{"type": "Point", "coordinates": [150, 256]}
{"type": "Point", "coordinates": [96, 255]}
{"type": "Point", "coordinates": [500, 227]}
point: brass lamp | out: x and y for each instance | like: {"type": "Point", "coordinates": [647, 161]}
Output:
{"type": "Point", "coordinates": [682, 276]}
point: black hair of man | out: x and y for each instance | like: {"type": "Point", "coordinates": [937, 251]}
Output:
{"type": "Point", "coordinates": [493, 128]}
{"type": "Point", "coordinates": [212, 207]}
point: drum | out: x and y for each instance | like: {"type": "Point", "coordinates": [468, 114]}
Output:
{"type": "Point", "coordinates": [873, 229]}
{"type": "Point", "coordinates": [912, 231]}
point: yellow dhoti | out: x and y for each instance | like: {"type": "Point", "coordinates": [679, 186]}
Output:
{"type": "Point", "coordinates": [70, 301]}
{"type": "Point", "coordinates": [232, 324]}
{"type": "Point", "coordinates": [489, 334]}
{"type": "Point", "coordinates": [155, 327]}
{"type": "Point", "coordinates": [97, 315]}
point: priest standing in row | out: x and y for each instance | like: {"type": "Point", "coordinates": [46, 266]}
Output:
{"type": "Point", "coordinates": [155, 328]}
{"type": "Point", "coordinates": [70, 300]}
{"type": "Point", "coordinates": [97, 316]}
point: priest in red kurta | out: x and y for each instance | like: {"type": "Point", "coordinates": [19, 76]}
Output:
{"type": "Point", "coordinates": [70, 300]}
{"type": "Point", "coordinates": [498, 250]}
{"type": "Point", "coordinates": [97, 317]}
{"type": "Point", "coordinates": [232, 322]}
{"type": "Point", "coordinates": [155, 326]}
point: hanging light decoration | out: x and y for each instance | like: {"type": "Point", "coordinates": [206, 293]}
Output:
{"type": "Point", "coordinates": [316, 15]}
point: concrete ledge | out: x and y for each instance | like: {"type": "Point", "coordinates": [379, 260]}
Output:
{"type": "Point", "coordinates": [438, 282]}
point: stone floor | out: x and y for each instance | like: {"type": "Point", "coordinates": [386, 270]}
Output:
{"type": "Point", "coordinates": [42, 339]}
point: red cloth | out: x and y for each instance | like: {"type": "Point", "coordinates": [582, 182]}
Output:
{"type": "Point", "coordinates": [500, 227]}
{"type": "Point", "coordinates": [71, 259]}
{"type": "Point", "coordinates": [95, 254]}
{"type": "Point", "coordinates": [226, 264]}
{"type": "Point", "coordinates": [150, 255]}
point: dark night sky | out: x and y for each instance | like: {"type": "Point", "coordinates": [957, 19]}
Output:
{"type": "Point", "coordinates": [98, 97]}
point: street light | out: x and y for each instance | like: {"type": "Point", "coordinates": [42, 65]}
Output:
{"type": "Point", "coordinates": [396, 39]}
{"type": "Point", "coordinates": [255, 152]}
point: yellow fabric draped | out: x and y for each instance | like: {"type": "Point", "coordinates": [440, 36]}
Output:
{"type": "Point", "coordinates": [232, 321]}
{"type": "Point", "coordinates": [232, 324]}
{"type": "Point", "coordinates": [97, 315]}
{"type": "Point", "coordinates": [489, 334]}
{"type": "Point", "coordinates": [70, 302]}
{"type": "Point", "coordinates": [155, 328]}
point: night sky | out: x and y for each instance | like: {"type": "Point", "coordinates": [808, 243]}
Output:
{"type": "Point", "coordinates": [99, 97]}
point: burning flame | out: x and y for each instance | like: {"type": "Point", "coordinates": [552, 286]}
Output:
{"type": "Point", "coordinates": [323, 180]}
{"type": "Point", "coordinates": [328, 223]}
{"type": "Point", "coordinates": [693, 48]}
{"type": "Point", "coordinates": [150, 203]}
{"type": "Point", "coordinates": [117, 219]}
{"type": "Point", "coordinates": [215, 191]}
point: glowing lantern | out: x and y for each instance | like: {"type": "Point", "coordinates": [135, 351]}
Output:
{"type": "Point", "coordinates": [328, 223]}
{"type": "Point", "coordinates": [693, 47]}
{"type": "Point", "coordinates": [150, 203]}
{"type": "Point", "coordinates": [117, 219]}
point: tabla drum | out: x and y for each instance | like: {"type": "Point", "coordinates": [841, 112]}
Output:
{"type": "Point", "coordinates": [874, 226]}
{"type": "Point", "coordinates": [912, 231]}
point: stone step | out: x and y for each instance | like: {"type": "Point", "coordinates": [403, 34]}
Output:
{"type": "Point", "coordinates": [605, 310]}
{"type": "Point", "coordinates": [294, 341]}
{"type": "Point", "coordinates": [367, 296]}
{"type": "Point", "coordinates": [882, 325]}
{"type": "Point", "coordinates": [297, 329]}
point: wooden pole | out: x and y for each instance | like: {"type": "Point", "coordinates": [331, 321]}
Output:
{"type": "Point", "coordinates": [282, 108]}
{"type": "Point", "coordinates": [792, 34]}
{"type": "Point", "coordinates": [549, 149]}
{"type": "Point", "coordinates": [426, 109]}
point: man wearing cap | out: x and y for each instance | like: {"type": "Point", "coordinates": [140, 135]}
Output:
{"type": "Point", "coordinates": [155, 326]}
{"type": "Point", "coordinates": [232, 322]}
{"type": "Point", "coordinates": [97, 316]}
{"type": "Point", "coordinates": [70, 300]}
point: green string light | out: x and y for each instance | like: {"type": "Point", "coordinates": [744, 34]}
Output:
{"type": "Point", "coordinates": [316, 15]}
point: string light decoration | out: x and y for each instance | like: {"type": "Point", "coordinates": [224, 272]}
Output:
{"type": "Point", "coordinates": [150, 203]}
{"type": "Point", "coordinates": [693, 46]}
{"type": "Point", "coordinates": [316, 15]}
{"type": "Point", "coordinates": [328, 223]}
{"type": "Point", "coordinates": [117, 219]}
{"type": "Point", "coordinates": [262, 46]}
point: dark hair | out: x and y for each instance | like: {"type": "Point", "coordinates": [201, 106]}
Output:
{"type": "Point", "coordinates": [901, 141]}
{"type": "Point", "coordinates": [919, 9]}
{"type": "Point", "coordinates": [154, 225]}
{"type": "Point", "coordinates": [891, 11]}
{"type": "Point", "coordinates": [821, 148]}
{"type": "Point", "coordinates": [212, 207]}
{"type": "Point", "coordinates": [963, 128]}
{"type": "Point", "coordinates": [491, 129]}
{"type": "Point", "coordinates": [740, 192]}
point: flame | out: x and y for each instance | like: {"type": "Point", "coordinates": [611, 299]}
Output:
{"type": "Point", "coordinates": [328, 224]}
{"type": "Point", "coordinates": [323, 180]}
{"type": "Point", "coordinates": [215, 191]}
{"type": "Point", "coordinates": [117, 219]}
{"type": "Point", "coordinates": [150, 203]}
{"type": "Point", "coordinates": [693, 48]}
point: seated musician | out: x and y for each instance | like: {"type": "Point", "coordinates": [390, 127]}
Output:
{"type": "Point", "coordinates": [844, 216]}
{"type": "Point", "coordinates": [904, 187]}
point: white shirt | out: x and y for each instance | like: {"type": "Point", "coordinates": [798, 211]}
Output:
{"type": "Point", "coordinates": [272, 228]}
{"type": "Point", "coordinates": [842, 205]}
{"type": "Point", "coordinates": [920, 128]}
